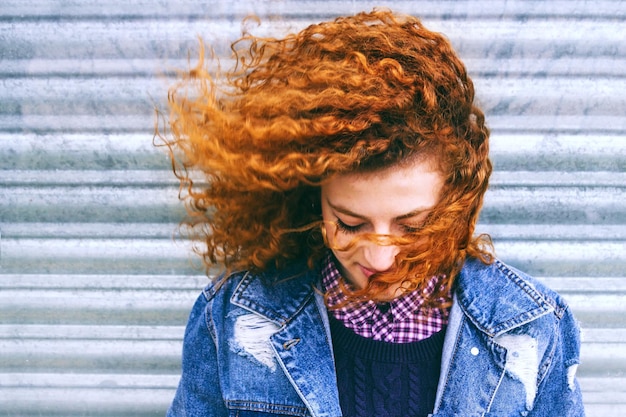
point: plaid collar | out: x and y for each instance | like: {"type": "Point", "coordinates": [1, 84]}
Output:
{"type": "Point", "coordinates": [400, 320]}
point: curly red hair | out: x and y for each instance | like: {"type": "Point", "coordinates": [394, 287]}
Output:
{"type": "Point", "coordinates": [358, 93]}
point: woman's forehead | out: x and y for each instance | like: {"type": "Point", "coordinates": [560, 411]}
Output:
{"type": "Point", "coordinates": [396, 190]}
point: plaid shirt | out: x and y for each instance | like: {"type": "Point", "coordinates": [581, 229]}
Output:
{"type": "Point", "coordinates": [399, 321]}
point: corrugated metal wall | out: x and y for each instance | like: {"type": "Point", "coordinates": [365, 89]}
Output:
{"type": "Point", "coordinates": [94, 290]}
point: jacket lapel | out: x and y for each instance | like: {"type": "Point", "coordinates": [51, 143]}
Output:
{"type": "Point", "coordinates": [489, 301]}
{"type": "Point", "coordinates": [497, 298]}
{"type": "Point", "coordinates": [302, 344]}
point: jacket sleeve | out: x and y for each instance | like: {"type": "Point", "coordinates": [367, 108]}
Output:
{"type": "Point", "coordinates": [559, 392]}
{"type": "Point", "coordinates": [198, 392]}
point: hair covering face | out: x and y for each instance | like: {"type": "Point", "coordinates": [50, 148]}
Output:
{"type": "Point", "coordinates": [356, 94]}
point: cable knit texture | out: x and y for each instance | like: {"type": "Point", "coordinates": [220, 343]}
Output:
{"type": "Point", "coordinates": [379, 379]}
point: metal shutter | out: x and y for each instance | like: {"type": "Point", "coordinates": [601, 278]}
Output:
{"type": "Point", "coordinates": [94, 290]}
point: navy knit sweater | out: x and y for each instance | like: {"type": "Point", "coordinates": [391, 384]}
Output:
{"type": "Point", "coordinates": [379, 379]}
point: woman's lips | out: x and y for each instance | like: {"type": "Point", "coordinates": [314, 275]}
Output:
{"type": "Point", "coordinates": [366, 271]}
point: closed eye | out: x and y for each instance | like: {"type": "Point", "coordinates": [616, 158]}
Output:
{"type": "Point", "coordinates": [407, 228]}
{"type": "Point", "coordinates": [346, 228]}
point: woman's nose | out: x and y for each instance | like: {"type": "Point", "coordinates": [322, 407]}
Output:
{"type": "Point", "coordinates": [380, 257]}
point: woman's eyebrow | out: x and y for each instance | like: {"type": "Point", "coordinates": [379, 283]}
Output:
{"type": "Point", "coordinates": [414, 213]}
{"type": "Point", "coordinates": [350, 213]}
{"type": "Point", "coordinates": [345, 211]}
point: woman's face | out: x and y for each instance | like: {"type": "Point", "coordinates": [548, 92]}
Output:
{"type": "Point", "coordinates": [392, 201]}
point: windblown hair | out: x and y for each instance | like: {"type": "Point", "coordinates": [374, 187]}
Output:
{"type": "Point", "coordinates": [356, 94]}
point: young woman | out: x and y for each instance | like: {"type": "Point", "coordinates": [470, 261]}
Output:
{"type": "Point", "coordinates": [344, 169]}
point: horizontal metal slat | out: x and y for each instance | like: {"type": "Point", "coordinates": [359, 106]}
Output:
{"type": "Point", "coordinates": [520, 66]}
{"type": "Point", "coordinates": [224, 28]}
{"type": "Point", "coordinates": [174, 38]}
{"type": "Point", "coordinates": [604, 396]}
{"type": "Point", "coordinates": [55, 380]}
{"type": "Point", "coordinates": [69, 123]}
{"type": "Point", "coordinates": [92, 204]}
{"type": "Point", "coordinates": [604, 390]}
{"type": "Point", "coordinates": [543, 205]}
{"type": "Point", "coordinates": [608, 66]}
{"type": "Point", "coordinates": [96, 402]}
{"type": "Point", "coordinates": [78, 152]}
{"type": "Point", "coordinates": [608, 311]}
{"type": "Point", "coordinates": [119, 299]}
{"type": "Point", "coordinates": [76, 123]}
{"type": "Point", "coordinates": [111, 95]}
{"type": "Point", "coordinates": [163, 178]}
{"type": "Point", "coordinates": [129, 356]}
{"type": "Point", "coordinates": [78, 332]}
{"type": "Point", "coordinates": [97, 282]}
{"type": "Point", "coordinates": [81, 67]}
{"type": "Point", "coordinates": [91, 230]}
{"type": "Point", "coordinates": [597, 179]}
{"type": "Point", "coordinates": [564, 258]}
{"type": "Point", "coordinates": [569, 145]}
{"type": "Point", "coordinates": [72, 178]}
{"type": "Point", "coordinates": [553, 95]}
{"type": "Point", "coordinates": [96, 307]}
{"type": "Point", "coordinates": [132, 39]}
{"type": "Point", "coordinates": [586, 285]}
{"type": "Point", "coordinates": [115, 153]}
{"type": "Point", "coordinates": [551, 232]}
{"type": "Point", "coordinates": [83, 256]}
{"type": "Point", "coordinates": [82, 196]}
{"type": "Point", "coordinates": [115, 9]}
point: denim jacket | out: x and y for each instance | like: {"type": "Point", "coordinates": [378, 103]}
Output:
{"type": "Point", "coordinates": [260, 346]}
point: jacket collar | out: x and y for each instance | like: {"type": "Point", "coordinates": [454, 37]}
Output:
{"type": "Point", "coordinates": [277, 294]}
{"type": "Point", "coordinates": [498, 298]}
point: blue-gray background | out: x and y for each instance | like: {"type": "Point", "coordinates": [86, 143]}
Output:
{"type": "Point", "coordinates": [94, 289]}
